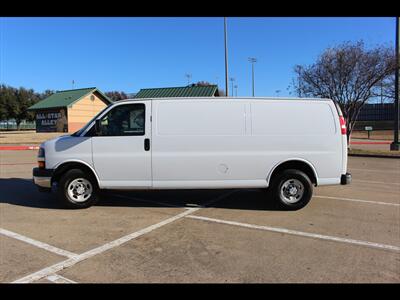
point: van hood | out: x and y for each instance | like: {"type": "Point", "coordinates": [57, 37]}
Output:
{"type": "Point", "coordinates": [56, 140]}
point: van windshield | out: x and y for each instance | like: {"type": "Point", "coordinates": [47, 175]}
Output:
{"type": "Point", "coordinates": [79, 132]}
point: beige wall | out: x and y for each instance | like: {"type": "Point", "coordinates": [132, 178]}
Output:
{"type": "Point", "coordinates": [82, 111]}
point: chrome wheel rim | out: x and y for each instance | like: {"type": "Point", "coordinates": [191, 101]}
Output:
{"type": "Point", "coordinates": [292, 191]}
{"type": "Point", "coordinates": [80, 190]}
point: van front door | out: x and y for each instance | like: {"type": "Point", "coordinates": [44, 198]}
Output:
{"type": "Point", "coordinates": [121, 151]}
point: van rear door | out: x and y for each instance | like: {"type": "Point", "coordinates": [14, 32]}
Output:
{"type": "Point", "coordinates": [343, 132]}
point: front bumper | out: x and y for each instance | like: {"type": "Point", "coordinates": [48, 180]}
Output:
{"type": "Point", "coordinates": [42, 177]}
{"type": "Point", "coordinates": [345, 178]}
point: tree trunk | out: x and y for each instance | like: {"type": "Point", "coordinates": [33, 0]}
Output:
{"type": "Point", "coordinates": [18, 124]}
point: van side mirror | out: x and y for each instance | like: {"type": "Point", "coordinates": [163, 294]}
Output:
{"type": "Point", "coordinates": [97, 127]}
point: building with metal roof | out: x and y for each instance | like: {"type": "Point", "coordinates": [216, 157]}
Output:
{"type": "Point", "coordinates": [69, 110]}
{"type": "Point", "coordinates": [177, 92]}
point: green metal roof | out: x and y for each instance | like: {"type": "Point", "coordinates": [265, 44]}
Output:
{"type": "Point", "coordinates": [186, 91]}
{"type": "Point", "coordinates": [66, 98]}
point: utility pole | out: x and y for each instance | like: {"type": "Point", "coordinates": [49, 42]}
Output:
{"type": "Point", "coordinates": [395, 144]}
{"type": "Point", "coordinates": [252, 60]}
{"type": "Point", "coordinates": [226, 59]}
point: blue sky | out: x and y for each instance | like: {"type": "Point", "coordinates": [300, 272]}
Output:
{"type": "Point", "coordinates": [128, 54]}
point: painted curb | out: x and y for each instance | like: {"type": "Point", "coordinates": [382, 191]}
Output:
{"type": "Point", "coordinates": [19, 147]}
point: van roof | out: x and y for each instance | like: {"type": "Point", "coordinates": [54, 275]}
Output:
{"type": "Point", "coordinates": [223, 98]}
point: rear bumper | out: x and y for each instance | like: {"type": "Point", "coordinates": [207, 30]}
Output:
{"type": "Point", "coordinates": [42, 177]}
{"type": "Point", "coordinates": [345, 179]}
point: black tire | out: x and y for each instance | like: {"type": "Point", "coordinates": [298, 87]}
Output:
{"type": "Point", "coordinates": [282, 178]}
{"type": "Point", "coordinates": [64, 182]}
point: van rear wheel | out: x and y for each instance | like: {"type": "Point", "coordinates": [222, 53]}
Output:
{"type": "Point", "coordinates": [76, 189]}
{"type": "Point", "coordinates": [291, 189]}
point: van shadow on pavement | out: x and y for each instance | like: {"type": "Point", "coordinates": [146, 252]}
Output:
{"type": "Point", "coordinates": [23, 192]}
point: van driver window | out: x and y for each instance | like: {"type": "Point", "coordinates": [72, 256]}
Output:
{"type": "Point", "coordinates": [124, 120]}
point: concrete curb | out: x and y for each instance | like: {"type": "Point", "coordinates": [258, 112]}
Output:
{"type": "Point", "coordinates": [371, 143]}
{"type": "Point", "coordinates": [19, 148]}
{"type": "Point", "coordinates": [375, 155]}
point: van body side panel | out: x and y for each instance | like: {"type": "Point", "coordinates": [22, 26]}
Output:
{"type": "Point", "coordinates": [288, 129]}
{"type": "Point", "coordinates": [68, 148]}
{"type": "Point", "coordinates": [201, 144]}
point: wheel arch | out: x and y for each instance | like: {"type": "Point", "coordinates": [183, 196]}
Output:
{"type": "Point", "coordinates": [65, 166]}
{"type": "Point", "coordinates": [294, 163]}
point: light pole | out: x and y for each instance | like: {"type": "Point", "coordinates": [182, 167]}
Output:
{"type": "Point", "coordinates": [226, 58]}
{"type": "Point", "coordinates": [252, 60]}
{"type": "Point", "coordinates": [232, 80]}
{"type": "Point", "coordinates": [395, 144]}
{"type": "Point", "coordinates": [235, 90]}
{"type": "Point", "coordinates": [188, 76]}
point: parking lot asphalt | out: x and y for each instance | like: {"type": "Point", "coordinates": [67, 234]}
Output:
{"type": "Point", "coordinates": [345, 234]}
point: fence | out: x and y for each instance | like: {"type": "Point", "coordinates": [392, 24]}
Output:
{"type": "Point", "coordinates": [376, 112]}
{"type": "Point", "coordinates": [379, 116]}
{"type": "Point", "coordinates": [11, 125]}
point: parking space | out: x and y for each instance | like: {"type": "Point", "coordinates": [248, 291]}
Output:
{"type": "Point", "coordinates": [197, 251]}
{"type": "Point", "coordinates": [345, 234]}
{"type": "Point", "coordinates": [19, 258]}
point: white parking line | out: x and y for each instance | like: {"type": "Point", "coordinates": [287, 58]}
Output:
{"type": "Point", "coordinates": [88, 254]}
{"type": "Point", "coordinates": [378, 182]}
{"type": "Point", "coordinates": [52, 270]}
{"type": "Point", "coordinates": [299, 233]}
{"type": "Point", "coordinates": [59, 279]}
{"type": "Point", "coordinates": [357, 200]}
{"type": "Point", "coordinates": [37, 243]}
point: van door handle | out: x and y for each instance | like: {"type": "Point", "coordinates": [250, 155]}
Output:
{"type": "Point", "coordinates": [146, 144]}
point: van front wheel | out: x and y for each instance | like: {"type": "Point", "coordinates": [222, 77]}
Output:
{"type": "Point", "coordinates": [77, 189]}
{"type": "Point", "coordinates": [291, 189]}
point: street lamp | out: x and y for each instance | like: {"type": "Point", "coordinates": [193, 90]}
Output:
{"type": "Point", "coordinates": [395, 145]}
{"type": "Point", "coordinates": [252, 60]}
{"type": "Point", "coordinates": [188, 76]}
{"type": "Point", "coordinates": [235, 90]}
{"type": "Point", "coordinates": [226, 58]}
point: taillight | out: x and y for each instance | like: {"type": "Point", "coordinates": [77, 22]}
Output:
{"type": "Point", "coordinates": [342, 125]}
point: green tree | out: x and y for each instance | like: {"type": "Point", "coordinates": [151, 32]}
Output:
{"type": "Point", "coordinates": [19, 104]}
{"type": "Point", "coordinates": [3, 100]}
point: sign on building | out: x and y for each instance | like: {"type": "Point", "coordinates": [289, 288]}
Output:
{"type": "Point", "coordinates": [52, 120]}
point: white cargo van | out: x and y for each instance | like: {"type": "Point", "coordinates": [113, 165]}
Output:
{"type": "Point", "coordinates": [285, 145]}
